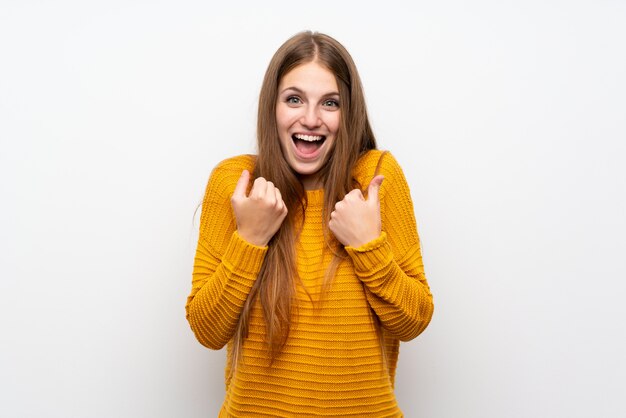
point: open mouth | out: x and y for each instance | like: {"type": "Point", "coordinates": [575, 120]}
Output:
{"type": "Point", "coordinates": [308, 144]}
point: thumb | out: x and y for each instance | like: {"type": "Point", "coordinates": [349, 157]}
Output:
{"type": "Point", "coordinates": [242, 184]}
{"type": "Point", "coordinates": [372, 190]}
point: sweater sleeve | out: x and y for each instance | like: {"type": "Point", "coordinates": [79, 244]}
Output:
{"type": "Point", "coordinates": [390, 266]}
{"type": "Point", "coordinates": [225, 265]}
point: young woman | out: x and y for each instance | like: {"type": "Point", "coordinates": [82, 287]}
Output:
{"type": "Point", "coordinates": [308, 264]}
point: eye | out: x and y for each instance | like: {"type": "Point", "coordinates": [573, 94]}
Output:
{"type": "Point", "coordinates": [293, 100]}
{"type": "Point", "coordinates": [331, 103]}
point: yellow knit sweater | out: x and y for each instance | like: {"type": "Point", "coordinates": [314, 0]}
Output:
{"type": "Point", "coordinates": [332, 364]}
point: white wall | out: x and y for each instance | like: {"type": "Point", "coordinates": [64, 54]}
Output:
{"type": "Point", "coordinates": [508, 117]}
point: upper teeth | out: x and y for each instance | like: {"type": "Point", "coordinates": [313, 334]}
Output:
{"type": "Point", "coordinates": [309, 138]}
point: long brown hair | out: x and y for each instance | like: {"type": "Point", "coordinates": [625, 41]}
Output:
{"type": "Point", "coordinates": [275, 286]}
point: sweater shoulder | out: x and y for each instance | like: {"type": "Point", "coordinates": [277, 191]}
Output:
{"type": "Point", "coordinates": [235, 164]}
{"type": "Point", "coordinates": [376, 162]}
{"type": "Point", "coordinates": [225, 175]}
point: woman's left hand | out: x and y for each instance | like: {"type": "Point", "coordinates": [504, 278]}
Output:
{"type": "Point", "coordinates": [356, 220]}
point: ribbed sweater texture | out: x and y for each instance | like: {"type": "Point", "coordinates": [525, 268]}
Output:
{"type": "Point", "coordinates": [332, 364]}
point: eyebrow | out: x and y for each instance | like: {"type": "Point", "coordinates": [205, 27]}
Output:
{"type": "Point", "coordinates": [297, 90]}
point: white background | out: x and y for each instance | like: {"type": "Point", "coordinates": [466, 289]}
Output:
{"type": "Point", "coordinates": [509, 119]}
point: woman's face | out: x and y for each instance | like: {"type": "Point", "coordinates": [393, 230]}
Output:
{"type": "Point", "coordinates": [308, 117]}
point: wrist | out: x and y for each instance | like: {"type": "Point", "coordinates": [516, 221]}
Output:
{"type": "Point", "coordinates": [253, 239]}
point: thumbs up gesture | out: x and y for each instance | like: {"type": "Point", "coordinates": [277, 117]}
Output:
{"type": "Point", "coordinates": [356, 220]}
{"type": "Point", "coordinates": [260, 213]}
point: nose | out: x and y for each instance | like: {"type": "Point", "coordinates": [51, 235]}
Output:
{"type": "Point", "coordinates": [311, 118]}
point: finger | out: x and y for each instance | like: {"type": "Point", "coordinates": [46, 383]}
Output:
{"type": "Point", "coordinates": [355, 193]}
{"type": "Point", "coordinates": [242, 184]}
{"type": "Point", "coordinates": [372, 190]}
{"type": "Point", "coordinates": [279, 199]}
{"type": "Point", "coordinates": [258, 188]}
{"type": "Point", "coordinates": [270, 193]}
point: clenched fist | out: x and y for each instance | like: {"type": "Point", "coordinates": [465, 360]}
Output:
{"type": "Point", "coordinates": [259, 214]}
{"type": "Point", "coordinates": [356, 220]}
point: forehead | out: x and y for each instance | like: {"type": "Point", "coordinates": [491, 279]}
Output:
{"type": "Point", "coordinates": [309, 77]}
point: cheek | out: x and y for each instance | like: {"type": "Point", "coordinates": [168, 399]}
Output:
{"type": "Point", "coordinates": [333, 123]}
{"type": "Point", "coordinates": [285, 117]}
{"type": "Point", "coordinates": [280, 118]}
{"type": "Point", "coordinates": [282, 126]}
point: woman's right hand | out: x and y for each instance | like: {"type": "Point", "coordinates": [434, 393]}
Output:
{"type": "Point", "coordinates": [259, 214]}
